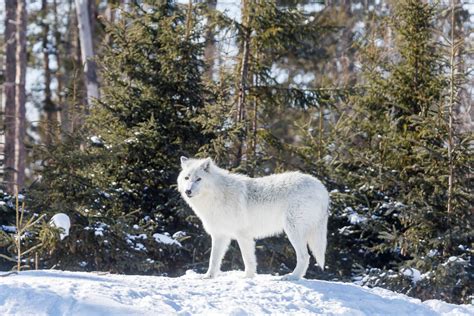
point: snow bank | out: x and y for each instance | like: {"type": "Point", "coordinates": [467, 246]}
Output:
{"type": "Point", "coordinates": [51, 292]}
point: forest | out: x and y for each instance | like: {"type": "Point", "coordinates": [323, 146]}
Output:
{"type": "Point", "coordinates": [101, 98]}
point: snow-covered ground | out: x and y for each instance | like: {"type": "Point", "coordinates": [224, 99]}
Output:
{"type": "Point", "coordinates": [50, 292]}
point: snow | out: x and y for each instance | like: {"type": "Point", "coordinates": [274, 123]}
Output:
{"type": "Point", "coordinates": [99, 229]}
{"type": "Point", "coordinates": [133, 237]}
{"type": "Point", "coordinates": [353, 217]}
{"type": "Point", "coordinates": [61, 220]}
{"type": "Point", "coordinates": [8, 229]}
{"type": "Point", "coordinates": [96, 140]}
{"type": "Point", "coordinates": [455, 259]}
{"type": "Point", "coordinates": [51, 292]}
{"type": "Point", "coordinates": [167, 240]}
{"type": "Point", "coordinates": [138, 245]}
{"type": "Point", "coordinates": [179, 234]}
{"type": "Point", "coordinates": [412, 273]}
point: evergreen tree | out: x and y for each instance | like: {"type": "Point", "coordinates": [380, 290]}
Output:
{"type": "Point", "coordinates": [158, 68]}
{"type": "Point", "coordinates": [392, 151]}
{"type": "Point", "coordinates": [390, 147]}
{"type": "Point", "coordinates": [251, 109]}
{"type": "Point", "coordinates": [120, 184]}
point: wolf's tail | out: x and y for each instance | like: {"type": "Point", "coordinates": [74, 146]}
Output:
{"type": "Point", "coordinates": [318, 240]}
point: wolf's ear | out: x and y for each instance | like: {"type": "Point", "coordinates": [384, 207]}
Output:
{"type": "Point", "coordinates": [183, 160]}
{"type": "Point", "coordinates": [206, 164]}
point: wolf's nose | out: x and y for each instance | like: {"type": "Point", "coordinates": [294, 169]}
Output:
{"type": "Point", "coordinates": [188, 192]}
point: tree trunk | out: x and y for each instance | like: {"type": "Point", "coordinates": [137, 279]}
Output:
{"type": "Point", "coordinates": [20, 97]}
{"type": "Point", "coordinates": [48, 106]}
{"type": "Point", "coordinates": [87, 53]}
{"type": "Point", "coordinates": [8, 99]}
{"type": "Point", "coordinates": [189, 19]}
{"type": "Point", "coordinates": [110, 16]}
{"type": "Point", "coordinates": [70, 64]}
{"type": "Point", "coordinates": [241, 115]}
{"type": "Point", "coordinates": [58, 72]}
{"type": "Point", "coordinates": [451, 105]}
{"type": "Point", "coordinates": [210, 48]}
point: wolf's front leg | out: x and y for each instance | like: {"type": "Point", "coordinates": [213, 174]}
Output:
{"type": "Point", "coordinates": [219, 247]}
{"type": "Point", "coordinates": [247, 248]}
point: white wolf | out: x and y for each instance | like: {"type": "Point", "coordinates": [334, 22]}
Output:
{"type": "Point", "coordinates": [234, 206]}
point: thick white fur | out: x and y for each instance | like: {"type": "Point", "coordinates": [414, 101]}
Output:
{"type": "Point", "coordinates": [234, 206]}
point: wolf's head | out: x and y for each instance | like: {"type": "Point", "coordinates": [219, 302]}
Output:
{"type": "Point", "coordinates": [194, 176]}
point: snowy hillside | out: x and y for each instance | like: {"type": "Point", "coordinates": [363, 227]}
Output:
{"type": "Point", "coordinates": [73, 293]}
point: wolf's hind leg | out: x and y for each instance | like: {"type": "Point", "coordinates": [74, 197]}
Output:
{"type": "Point", "coordinates": [247, 248]}
{"type": "Point", "coordinates": [219, 247]}
{"type": "Point", "coordinates": [297, 239]}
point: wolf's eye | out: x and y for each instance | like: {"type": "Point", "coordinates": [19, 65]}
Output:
{"type": "Point", "coordinates": [198, 179]}
{"type": "Point", "coordinates": [186, 178]}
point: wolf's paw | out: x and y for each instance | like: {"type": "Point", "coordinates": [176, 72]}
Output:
{"type": "Point", "coordinates": [249, 275]}
{"type": "Point", "coordinates": [290, 277]}
{"type": "Point", "coordinates": [208, 276]}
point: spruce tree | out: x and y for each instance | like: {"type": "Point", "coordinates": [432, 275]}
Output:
{"type": "Point", "coordinates": [392, 151]}
{"type": "Point", "coordinates": [251, 110]}
{"type": "Point", "coordinates": [152, 90]}
{"type": "Point", "coordinates": [118, 174]}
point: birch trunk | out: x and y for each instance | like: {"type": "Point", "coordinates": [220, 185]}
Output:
{"type": "Point", "coordinates": [87, 52]}
{"type": "Point", "coordinates": [8, 99]}
{"type": "Point", "coordinates": [210, 48]}
{"type": "Point", "coordinates": [20, 97]}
